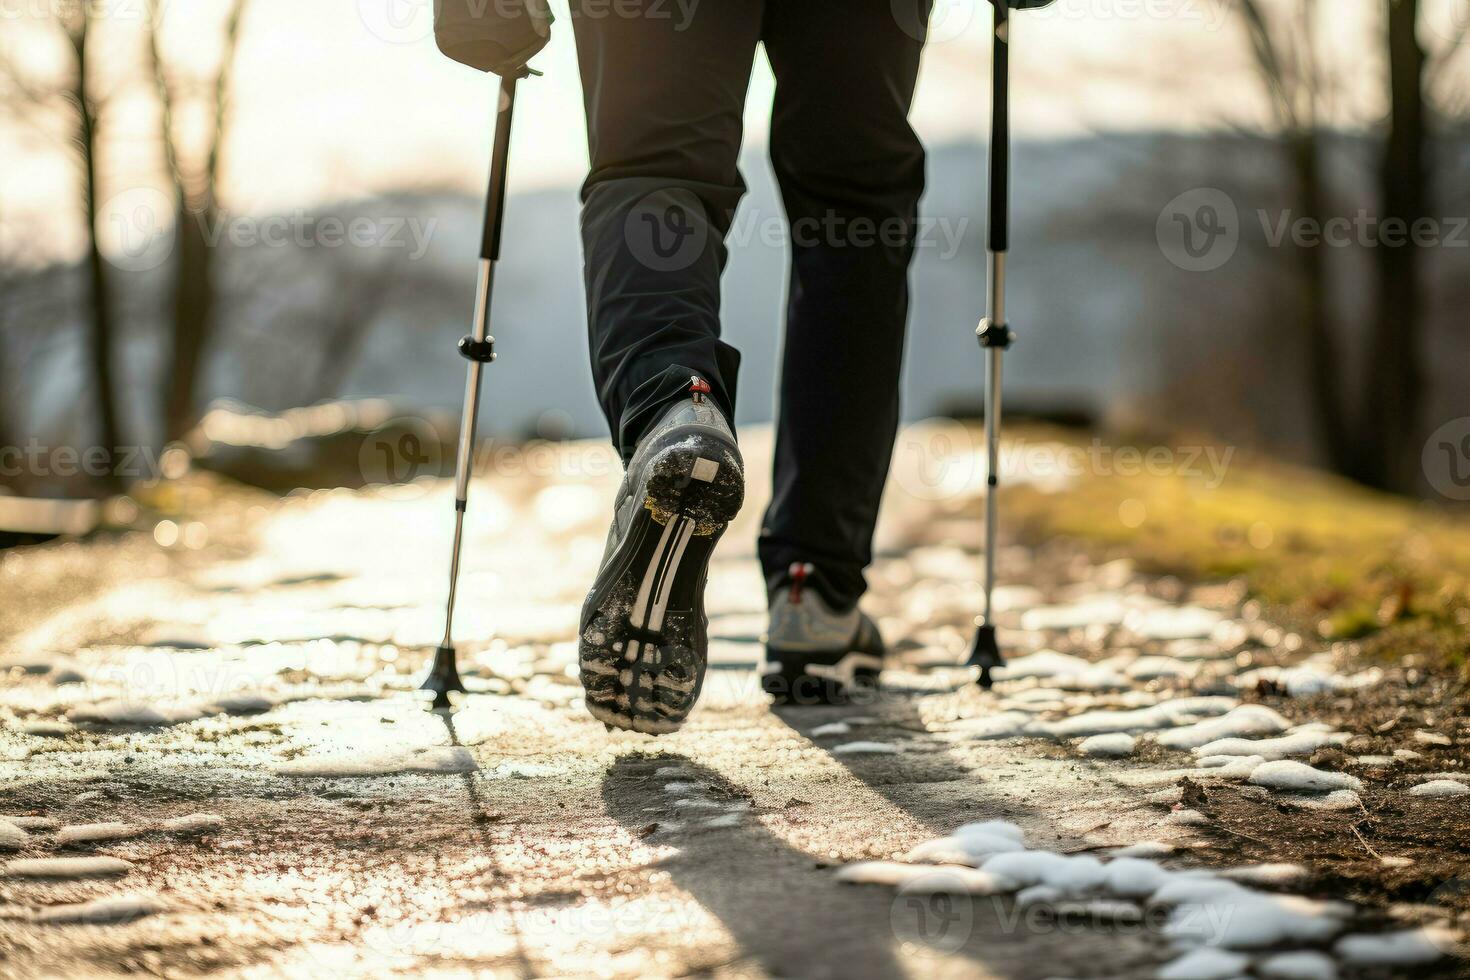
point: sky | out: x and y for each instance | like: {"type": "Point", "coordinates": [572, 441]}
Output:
{"type": "Point", "coordinates": [346, 98]}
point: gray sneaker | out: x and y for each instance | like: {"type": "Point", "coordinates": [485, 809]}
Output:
{"type": "Point", "coordinates": [644, 639]}
{"type": "Point", "coordinates": [816, 654]}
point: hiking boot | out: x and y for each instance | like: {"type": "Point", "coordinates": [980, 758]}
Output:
{"type": "Point", "coordinates": [816, 654]}
{"type": "Point", "coordinates": [644, 636]}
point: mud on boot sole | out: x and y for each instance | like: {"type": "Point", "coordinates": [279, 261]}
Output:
{"type": "Point", "coordinates": [643, 643]}
{"type": "Point", "coordinates": [811, 679]}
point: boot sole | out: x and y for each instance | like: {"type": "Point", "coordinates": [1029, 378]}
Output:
{"type": "Point", "coordinates": [643, 644]}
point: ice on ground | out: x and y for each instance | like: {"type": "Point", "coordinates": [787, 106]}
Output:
{"type": "Point", "coordinates": [1111, 745]}
{"type": "Point", "coordinates": [1173, 622]}
{"type": "Point", "coordinates": [32, 823]}
{"type": "Point", "coordinates": [193, 823]}
{"type": "Point", "coordinates": [1155, 668]}
{"type": "Point", "coordinates": [85, 833]}
{"type": "Point", "coordinates": [116, 908]}
{"type": "Point", "coordinates": [865, 748]}
{"type": "Point", "coordinates": [1403, 948]}
{"type": "Point", "coordinates": [1338, 799]}
{"type": "Point", "coordinates": [1281, 747]}
{"type": "Point", "coordinates": [957, 881]}
{"type": "Point", "coordinates": [1303, 964]}
{"type": "Point", "coordinates": [1186, 818]}
{"type": "Point", "coordinates": [12, 837]}
{"type": "Point", "coordinates": [1278, 874]}
{"type": "Point", "coordinates": [1205, 964]}
{"type": "Point", "coordinates": [1134, 877]}
{"type": "Point", "coordinates": [1038, 895]}
{"type": "Point", "coordinates": [971, 849]}
{"type": "Point", "coordinates": [1098, 610]}
{"type": "Point", "coordinates": [992, 828]}
{"type": "Point", "coordinates": [1042, 663]}
{"type": "Point", "coordinates": [881, 872]}
{"type": "Point", "coordinates": [1247, 719]}
{"type": "Point", "coordinates": [1406, 754]}
{"type": "Point", "coordinates": [1072, 874]}
{"type": "Point", "coordinates": [438, 759]}
{"type": "Point", "coordinates": [1440, 787]}
{"type": "Point", "coordinates": [1248, 920]}
{"type": "Point", "coordinates": [78, 867]}
{"type": "Point", "coordinates": [1229, 766]}
{"type": "Point", "coordinates": [1181, 711]}
{"type": "Point", "coordinates": [1290, 775]}
{"type": "Point", "coordinates": [834, 728]}
{"type": "Point", "coordinates": [46, 729]}
{"type": "Point", "coordinates": [1432, 738]}
{"type": "Point", "coordinates": [1009, 724]}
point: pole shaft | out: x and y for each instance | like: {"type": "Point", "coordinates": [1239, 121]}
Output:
{"type": "Point", "coordinates": [480, 330]}
{"type": "Point", "coordinates": [995, 294]}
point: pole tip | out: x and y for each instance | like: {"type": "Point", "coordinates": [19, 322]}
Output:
{"type": "Point", "coordinates": [443, 678]}
{"type": "Point", "coordinates": [985, 654]}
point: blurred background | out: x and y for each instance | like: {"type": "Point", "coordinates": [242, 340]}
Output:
{"type": "Point", "coordinates": [248, 229]}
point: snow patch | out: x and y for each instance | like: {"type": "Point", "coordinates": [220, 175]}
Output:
{"type": "Point", "coordinates": [117, 908]}
{"type": "Point", "coordinates": [1248, 719]}
{"type": "Point", "coordinates": [447, 759]}
{"type": "Point", "coordinates": [1286, 774]}
{"type": "Point", "coordinates": [1403, 948]}
{"type": "Point", "coordinates": [84, 833]}
{"type": "Point", "coordinates": [1302, 964]}
{"type": "Point", "coordinates": [193, 823]}
{"type": "Point", "coordinates": [1297, 743]}
{"type": "Point", "coordinates": [1112, 745]}
{"type": "Point", "coordinates": [1205, 964]}
{"type": "Point", "coordinates": [79, 867]}
{"type": "Point", "coordinates": [1440, 787]}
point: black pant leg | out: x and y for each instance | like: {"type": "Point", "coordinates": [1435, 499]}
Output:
{"type": "Point", "coordinates": [851, 171]}
{"type": "Point", "coordinates": [664, 89]}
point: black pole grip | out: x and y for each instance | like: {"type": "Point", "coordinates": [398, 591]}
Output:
{"type": "Point", "coordinates": [499, 156]}
{"type": "Point", "coordinates": [1000, 131]}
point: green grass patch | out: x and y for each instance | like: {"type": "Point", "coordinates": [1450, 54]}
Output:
{"type": "Point", "coordinates": [1325, 554]}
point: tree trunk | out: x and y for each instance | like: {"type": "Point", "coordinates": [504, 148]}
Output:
{"type": "Point", "coordinates": [193, 315]}
{"type": "Point", "coordinates": [101, 316]}
{"type": "Point", "coordinates": [1391, 426]}
{"type": "Point", "coordinates": [1324, 370]}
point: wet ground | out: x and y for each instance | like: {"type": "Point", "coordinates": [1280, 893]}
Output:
{"type": "Point", "coordinates": [226, 710]}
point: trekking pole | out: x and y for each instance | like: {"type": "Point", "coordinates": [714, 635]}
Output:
{"type": "Point", "coordinates": [479, 349]}
{"type": "Point", "coordinates": [993, 332]}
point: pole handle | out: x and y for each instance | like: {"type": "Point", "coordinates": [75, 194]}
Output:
{"type": "Point", "coordinates": [499, 156]}
{"type": "Point", "coordinates": [1000, 130]}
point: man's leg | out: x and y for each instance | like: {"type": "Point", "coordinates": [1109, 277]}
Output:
{"type": "Point", "coordinates": [851, 171]}
{"type": "Point", "coordinates": [664, 92]}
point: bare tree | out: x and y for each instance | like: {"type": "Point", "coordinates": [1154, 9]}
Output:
{"type": "Point", "coordinates": [1375, 440]}
{"type": "Point", "coordinates": [194, 174]}
{"type": "Point", "coordinates": [73, 96]}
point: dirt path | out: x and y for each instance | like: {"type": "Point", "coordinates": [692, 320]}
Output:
{"type": "Point", "coordinates": [338, 826]}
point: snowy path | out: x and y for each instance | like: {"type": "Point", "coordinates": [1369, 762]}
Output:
{"type": "Point", "coordinates": [225, 753]}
